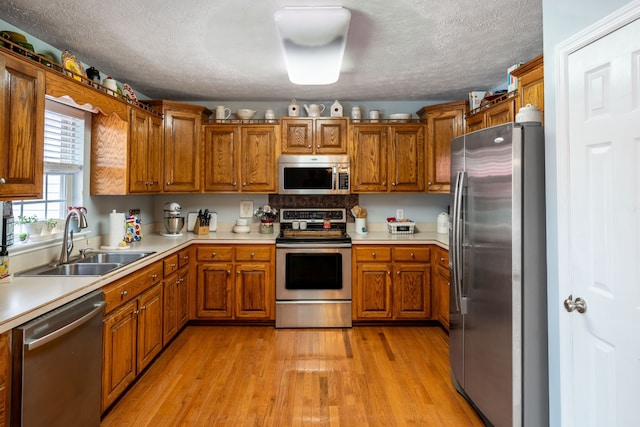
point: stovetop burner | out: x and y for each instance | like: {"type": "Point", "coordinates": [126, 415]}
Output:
{"type": "Point", "coordinates": [313, 231]}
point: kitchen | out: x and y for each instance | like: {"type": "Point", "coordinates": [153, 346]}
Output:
{"type": "Point", "coordinates": [559, 24]}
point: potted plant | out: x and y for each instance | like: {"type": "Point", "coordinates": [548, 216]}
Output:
{"type": "Point", "coordinates": [28, 223]}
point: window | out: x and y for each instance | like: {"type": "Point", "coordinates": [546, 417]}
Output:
{"type": "Point", "coordinates": [63, 156]}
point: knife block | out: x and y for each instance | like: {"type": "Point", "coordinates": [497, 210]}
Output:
{"type": "Point", "coordinates": [200, 229]}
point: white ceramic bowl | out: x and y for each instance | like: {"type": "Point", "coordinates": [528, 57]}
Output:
{"type": "Point", "coordinates": [400, 116]}
{"type": "Point", "coordinates": [241, 228]}
{"type": "Point", "coordinates": [245, 113]}
{"type": "Point", "coordinates": [242, 222]}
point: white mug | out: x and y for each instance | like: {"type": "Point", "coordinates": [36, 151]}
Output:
{"type": "Point", "coordinates": [222, 112]}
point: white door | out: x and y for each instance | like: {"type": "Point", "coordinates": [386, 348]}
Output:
{"type": "Point", "coordinates": [599, 225]}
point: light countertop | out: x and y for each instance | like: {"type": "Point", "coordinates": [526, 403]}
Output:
{"type": "Point", "coordinates": [25, 298]}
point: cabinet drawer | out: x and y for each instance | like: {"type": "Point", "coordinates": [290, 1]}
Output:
{"type": "Point", "coordinates": [442, 257]}
{"type": "Point", "coordinates": [412, 253]}
{"type": "Point", "coordinates": [253, 253]}
{"type": "Point", "coordinates": [372, 253]}
{"type": "Point", "coordinates": [183, 257]}
{"type": "Point", "coordinates": [214, 253]}
{"type": "Point", "coordinates": [170, 265]}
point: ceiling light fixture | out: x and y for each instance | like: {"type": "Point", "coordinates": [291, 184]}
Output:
{"type": "Point", "coordinates": [313, 41]}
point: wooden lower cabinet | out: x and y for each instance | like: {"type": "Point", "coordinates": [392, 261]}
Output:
{"type": "Point", "coordinates": [441, 286]}
{"type": "Point", "coordinates": [5, 379]}
{"type": "Point", "coordinates": [176, 293]}
{"type": "Point", "coordinates": [392, 282]}
{"type": "Point", "coordinates": [132, 329]}
{"type": "Point", "coordinates": [235, 282]}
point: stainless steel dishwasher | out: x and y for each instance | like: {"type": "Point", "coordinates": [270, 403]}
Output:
{"type": "Point", "coordinates": [58, 364]}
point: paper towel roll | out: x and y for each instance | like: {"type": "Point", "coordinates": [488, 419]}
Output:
{"type": "Point", "coordinates": [116, 229]}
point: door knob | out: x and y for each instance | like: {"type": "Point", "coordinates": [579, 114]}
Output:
{"type": "Point", "coordinates": [578, 305]}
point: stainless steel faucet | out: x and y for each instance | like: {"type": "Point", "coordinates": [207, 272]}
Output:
{"type": "Point", "coordinates": [67, 239]}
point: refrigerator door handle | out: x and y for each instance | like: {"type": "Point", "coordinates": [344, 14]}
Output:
{"type": "Point", "coordinates": [456, 247]}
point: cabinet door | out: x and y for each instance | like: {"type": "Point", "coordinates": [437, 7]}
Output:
{"type": "Point", "coordinates": [214, 292]}
{"type": "Point", "coordinates": [221, 158]}
{"type": "Point", "coordinates": [500, 113]}
{"type": "Point", "coordinates": [119, 352]}
{"type": "Point", "coordinates": [412, 291]}
{"type": "Point", "coordinates": [372, 291]}
{"type": "Point", "coordinates": [441, 291]}
{"type": "Point", "coordinates": [474, 122]}
{"type": "Point", "coordinates": [407, 157]}
{"type": "Point", "coordinates": [254, 291]}
{"type": "Point", "coordinates": [145, 153]}
{"type": "Point", "coordinates": [21, 129]}
{"type": "Point", "coordinates": [330, 136]}
{"type": "Point", "coordinates": [183, 297]}
{"type": "Point", "coordinates": [297, 135]}
{"type": "Point", "coordinates": [181, 151]}
{"type": "Point", "coordinates": [5, 379]}
{"type": "Point", "coordinates": [369, 159]}
{"type": "Point", "coordinates": [150, 313]}
{"type": "Point", "coordinates": [170, 319]}
{"type": "Point", "coordinates": [442, 127]}
{"type": "Point", "coordinates": [258, 162]}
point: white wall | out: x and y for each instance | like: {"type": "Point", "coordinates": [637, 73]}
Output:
{"type": "Point", "coordinates": [561, 19]}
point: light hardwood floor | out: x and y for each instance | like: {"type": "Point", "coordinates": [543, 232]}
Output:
{"type": "Point", "coordinates": [262, 376]}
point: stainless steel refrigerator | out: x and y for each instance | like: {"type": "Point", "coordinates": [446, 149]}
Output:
{"type": "Point", "coordinates": [498, 319]}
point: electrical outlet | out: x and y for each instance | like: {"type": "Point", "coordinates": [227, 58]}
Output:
{"type": "Point", "coordinates": [246, 209]}
{"type": "Point", "coordinates": [399, 213]}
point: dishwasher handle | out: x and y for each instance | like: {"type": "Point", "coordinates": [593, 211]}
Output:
{"type": "Point", "coordinates": [98, 307]}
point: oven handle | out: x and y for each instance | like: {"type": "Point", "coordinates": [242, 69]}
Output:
{"type": "Point", "coordinates": [313, 245]}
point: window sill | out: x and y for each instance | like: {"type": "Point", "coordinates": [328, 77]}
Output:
{"type": "Point", "coordinates": [42, 242]}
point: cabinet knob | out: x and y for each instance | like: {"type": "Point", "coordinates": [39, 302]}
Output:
{"type": "Point", "coordinates": [384, 182]}
{"type": "Point", "coordinates": [213, 255]}
{"type": "Point", "coordinates": [173, 265]}
{"type": "Point", "coordinates": [413, 255]}
{"type": "Point", "coordinates": [228, 271]}
{"type": "Point", "coordinates": [186, 257]}
{"type": "Point", "coordinates": [393, 184]}
{"type": "Point", "coordinates": [124, 293]}
{"type": "Point", "coordinates": [429, 182]}
{"type": "Point", "coordinates": [244, 184]}
{"type": "Point", "coordinates": [373, 254]}
{"type": "Point", "coordinates": [442, 259]}
{"type": "Point", "coordinates": [168, 182]}
{"type": "Point", "coordinates": [309, 146]}
{"type": "Point", "coordinates": [253, 254]}
{"type": "Point", "coordinates": [144, 307]}
{"type": "Point", "coordinates": [154, 276]}
{"type": "Point", "coordinates": [3, 181]}
{"type": "Point", "coordinates": [318, 146]}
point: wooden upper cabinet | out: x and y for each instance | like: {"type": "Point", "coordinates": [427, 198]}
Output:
{"type": "Point", "coordinates": [530, 91]}
{"type": "Point", "coordinates": [258, 159]}
{"type": "Point", "coordinates": [369, 158]}
{"type": "Point", "coordinates": [145, 153]}
{"type": "Point", "coordinates": [240, 158]}
{"type": "Point", "coordinates": [388, 157]}
{"type": "Point", "coordinates": [22, 90]}
{"type": "Point", "coordinates": [406, 157]}
{"type": "Point", "coordinates": [314, 135]}
{"type": "Point", "coordinates": [182, 145]}
{"type": "Point", "coordinates": [444, 122]}
{"type": "Point", "coordinates": [530, 84]}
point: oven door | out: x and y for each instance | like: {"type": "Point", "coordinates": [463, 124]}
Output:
{"type": "Point", "coordinates": [313, 286]}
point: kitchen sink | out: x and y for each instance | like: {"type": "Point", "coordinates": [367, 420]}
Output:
{"type": "Point", "coordinates": [93, 264]}
{"type": "Point", "coordinates": [74, 269]}
{"type": "Point", "coordinates": [111, 257]}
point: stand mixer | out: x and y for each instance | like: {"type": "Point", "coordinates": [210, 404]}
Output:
{"type": "Point", "coordinates": [173, 222]}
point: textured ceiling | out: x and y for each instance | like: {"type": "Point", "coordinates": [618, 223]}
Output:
{"type": "Point", "coordinates": [229, 50]}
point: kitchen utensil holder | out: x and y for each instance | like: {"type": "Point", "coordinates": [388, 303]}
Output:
{"type": "Point", "coordinates": [200, 229]}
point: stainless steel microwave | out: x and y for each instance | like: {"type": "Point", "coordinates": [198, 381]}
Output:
{"type": "Point", "coordinates": [304, 174]}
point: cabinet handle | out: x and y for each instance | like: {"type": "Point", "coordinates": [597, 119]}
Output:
{"type": "Point", "coordinates": [413, 255]}
{"type": "Point", "coordinates": [384, 182]}
{"type": "Point", "coordinates": [237, 271]}
{"type": "Point", "coordinates": [253, 254]}
{"type": "Point", "coordinates": [173, 265]}
{"type": "Point", "coordinates": [235, 183]}
{"type": "Point", "coordinates": [168, 182]}
{"type": "Point", "coordinates": [429, 182]}
{"type": "Point", "coordinates": [228, 271]}
{"type": "Point", "coordinates": [244, 184]}
{"type": "Point", "coordinates": [393, 184]}
{"type": "Point", "coordinates": [3, 181]}
{"type": "Point", "coordinates": [144, 307]}
{"type": "Point", "coordinates": [124, 294]}
{"type": "Point", "coordinates": [309, 146]}
{"type": "Point", "coordinates": [213, 255]}
{"type": "Point", "coordinates": [373, 254]}
{"type": "Point", "coordinates": [186, 257]}
{"type": "Point", "coordinates": [154, 277]}
{"type": "Point", "coordinates": [318, 146]}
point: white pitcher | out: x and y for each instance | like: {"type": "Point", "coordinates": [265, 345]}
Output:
{"type": "Point", "coordinates": [222, 112]}
{"type": "Point", "coordinates": [314, 110]}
